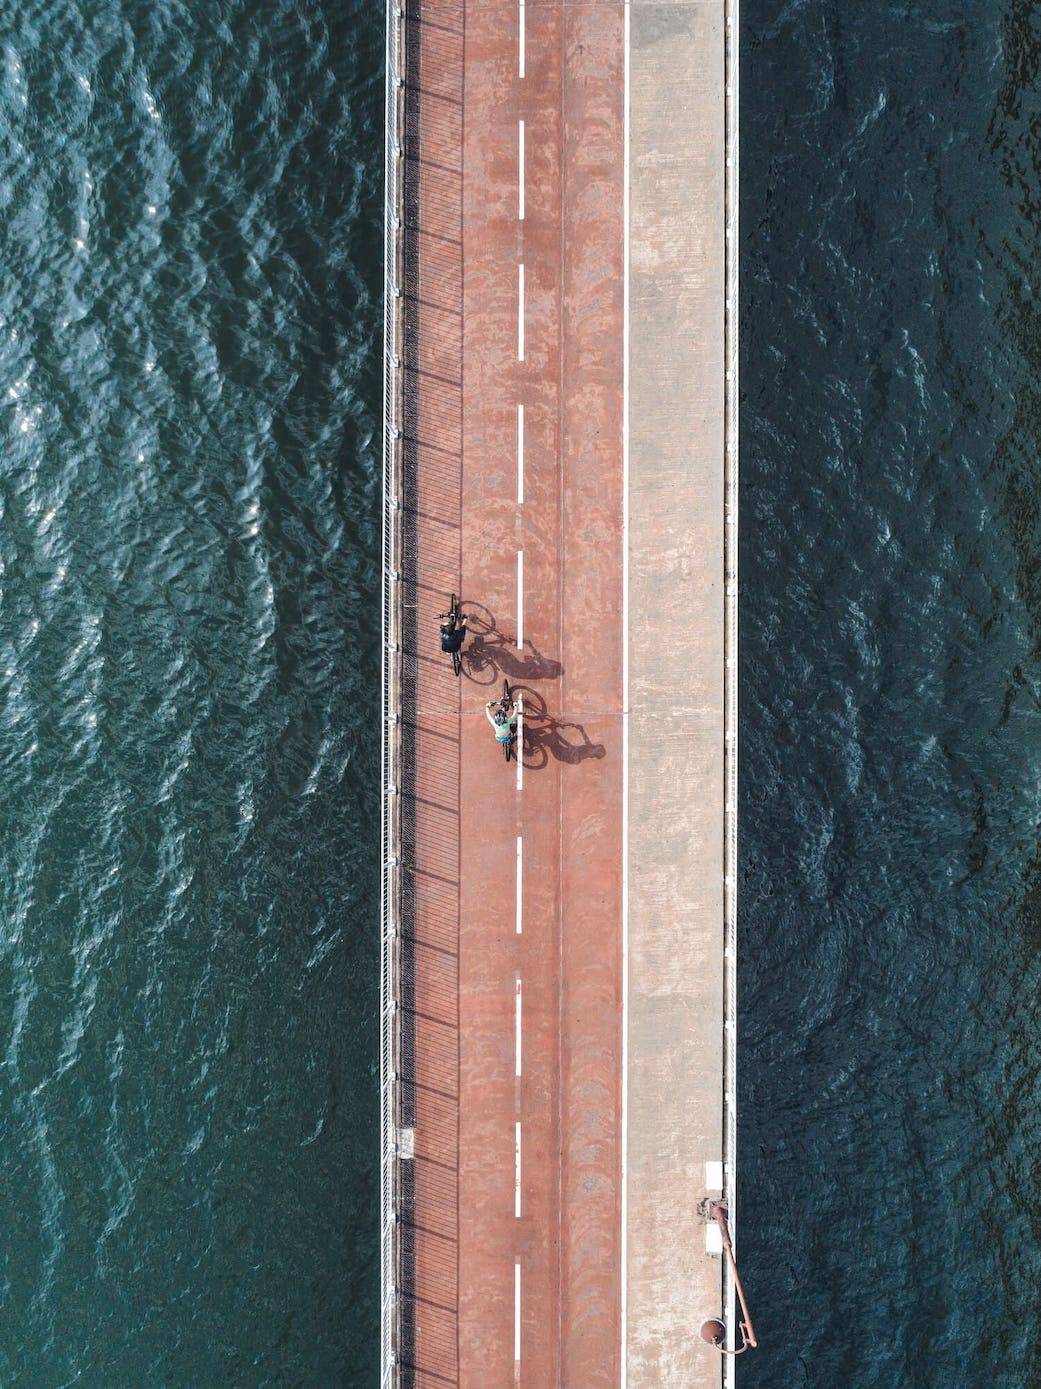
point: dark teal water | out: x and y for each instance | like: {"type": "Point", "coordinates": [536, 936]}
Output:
{"type": "Point", "coordinates": [190, 212]}
{"type": "Point", "coordinates": [190, 243]}
{"type": "Point", "coordinates": [891, 659]}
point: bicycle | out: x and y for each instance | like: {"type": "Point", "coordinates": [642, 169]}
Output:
{"type": "Point", "coordinates": [454, 618]}
{"type": "Point", "coordinates": [506, 705]}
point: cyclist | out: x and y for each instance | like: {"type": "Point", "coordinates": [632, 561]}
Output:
{"type": "Point", "coordinates": [502, 715]}
{"type": "Point", "coordinates": [453, 633]}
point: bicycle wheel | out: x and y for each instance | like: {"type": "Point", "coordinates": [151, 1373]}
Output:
{"type": "Point", "coordinates": [506, 691]}
{"type": "Point", "coordinates": [507, 747]}
{"type": "Point", "coordinates": [457, 662]}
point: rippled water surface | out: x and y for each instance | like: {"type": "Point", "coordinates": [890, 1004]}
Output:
{"type": "Point", "coordinates": [190, 204]}
{"type": "Point", "coordinates": [189, 377]}
{"type": "Point", "coordinates": [891, 756]}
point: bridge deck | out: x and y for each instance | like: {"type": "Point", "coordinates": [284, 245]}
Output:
{"type": "Point", "coordinates": [562, 469]}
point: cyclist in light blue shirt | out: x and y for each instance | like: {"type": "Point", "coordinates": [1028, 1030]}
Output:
{"type": "Point", "coordinates": [503, 719]}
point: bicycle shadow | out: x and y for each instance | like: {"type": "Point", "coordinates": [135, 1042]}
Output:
{"type": "Point", "coordinates": [545, 736]}
{"type": "Point", "coordinates": [532, 701]}
{"type": "Point", "coordinates": [491, 653]}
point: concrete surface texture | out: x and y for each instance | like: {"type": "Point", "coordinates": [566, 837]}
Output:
{"type": "Point", "coordinates": [676, 508]}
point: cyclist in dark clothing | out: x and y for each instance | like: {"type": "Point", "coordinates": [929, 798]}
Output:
{"type": "Point", "coordinates": [453, 634]}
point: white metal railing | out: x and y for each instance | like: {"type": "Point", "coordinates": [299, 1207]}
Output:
{"type": "Point", "coordinates": [730, 678]}
{"type": "Point", "coordinates": [390, 761]}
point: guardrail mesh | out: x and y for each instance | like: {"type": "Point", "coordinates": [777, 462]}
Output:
{"type": "Point", "coordinates": [391, 711]}
{"type": "Point", "coordinates": [412, 574]}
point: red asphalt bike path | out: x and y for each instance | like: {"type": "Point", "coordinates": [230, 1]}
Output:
{"type": "Point", "coordinates": [497, 1298]}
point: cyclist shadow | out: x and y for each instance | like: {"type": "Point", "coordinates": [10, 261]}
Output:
{"type": "Point", "coordinates": [546, 737]}
{"type": "Point", "coordinates": [491, 653]}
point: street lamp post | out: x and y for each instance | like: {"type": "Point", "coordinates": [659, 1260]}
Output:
{"type": "Point", "coordinates": [714, 1331]}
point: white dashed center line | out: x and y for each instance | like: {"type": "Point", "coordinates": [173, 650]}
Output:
{"type": "Point", "coordinates": [520, 313]}
{"type": "Point", "coordinates": [516, 1313]}
{"type": "Point", "coordinates": [520, 599]}
{"type": "Point", "coordinates": [518, 1029]}
{"type": "Point", "coordinates": [520, 455]}
{"type": "Point", "coordinates": [624, 1202]}
{"type": "Point", "coordinates": [520, 883]}
{"type": "Point", "coordinates": [517, 1172]}
{"type": "Point", "coordinates": [520, 48]}
{"type": "Point", "coordinates": [520, 170]}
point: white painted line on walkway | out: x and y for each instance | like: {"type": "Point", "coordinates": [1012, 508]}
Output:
{"type": "Point", "coordinates": [520, 50]}
{"type": "Point", "coordinates": [520, 879]}
{"type": "Point", "coordinates": [516, 1313]}
{"type": "Point", "coordinates": [516, 1172]}
{"type": "Point", "coordinates": [518, 1027]}
{"type": "Point", "coordinates": [520, 313]}
{"type": "Point", "coordinates": [518, 746]}
{"type": "Point", "coordinates": [520, 171]}
{"type": "Point", "coordinates": [520, 455]}
{"type": "Point", "coordinates": [520, 599]}
{"type": "Point", "coordinates": [624, 1318]}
